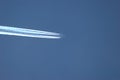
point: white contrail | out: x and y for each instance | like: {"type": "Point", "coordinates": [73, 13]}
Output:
{"type": "Point", "coordinates": [6, 30]}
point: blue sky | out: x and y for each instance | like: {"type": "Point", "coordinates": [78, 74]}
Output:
{"type": "Point", "coordinates": [89, 49]}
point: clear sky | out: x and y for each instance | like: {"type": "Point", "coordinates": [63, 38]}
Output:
{"type": "Point", "coordinates": [89, 49]}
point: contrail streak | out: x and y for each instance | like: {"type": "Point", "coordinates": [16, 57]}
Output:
{"type": "Point", "coordinates": [6, 30]}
